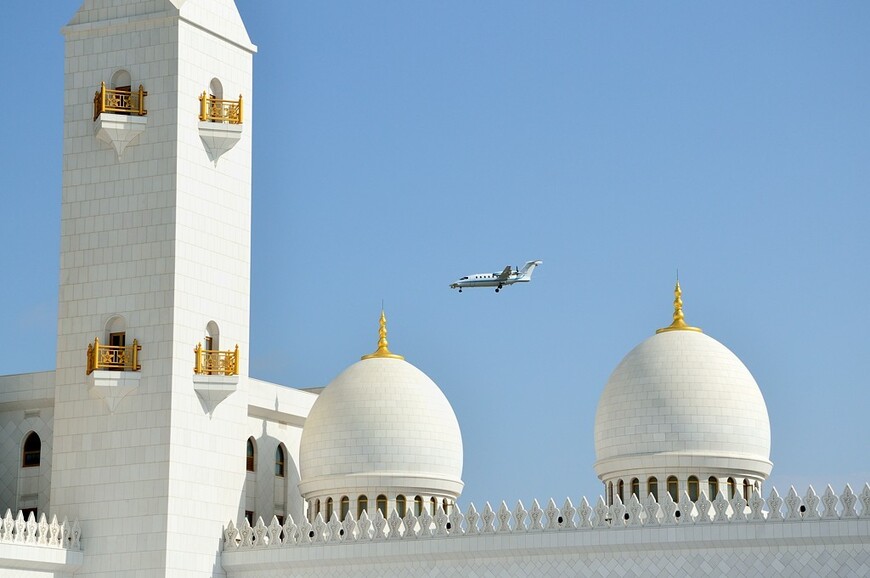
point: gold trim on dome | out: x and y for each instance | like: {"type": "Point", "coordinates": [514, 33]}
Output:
{"type": "Point", "coordinates": [679, 323]}
{"type": "Point", "coordinates": [383, 350]}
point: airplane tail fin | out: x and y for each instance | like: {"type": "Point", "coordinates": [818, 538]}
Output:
{"type": "Point", "coordinates": [528, 268]}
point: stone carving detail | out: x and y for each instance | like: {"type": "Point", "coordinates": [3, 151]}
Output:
{"type": "Point", "coordinates": [410, 523]}
{"type": "Point", "coordinates": [456, 519]}
{"type": "Point", "coordinates": [39, 534]}
{"type": "Point", "coordinates": [552, 513]}
{"type": "Point", "coordinates": [635, 509]}
{"type": "Point", "coordinates": [520, 515]}
{"type": "Point", "coordinates": [426, 522]}
{"type": "Point", "coordinates": [811, 503]}
{"type": "Point", "coordinates": [567, 515]}
{"type": "Point", "coordinates": [865, 501]}
{"type": "Point", "coordinates": [395, 523]}
{"type": "Point", "coordinates": [471, 517]}
{"type": "Point", "coordinates": [504, 519]}
{"type": "Point", "coordinates": [703, 507]}
{"type": "Point", "coordinates": [441, 521]}
{"type": "Point", "coordinates": [488, 519]}
{"type": "Point", "coordinates": [686, 509]}
{"type": "Point", "coordinates": [536, 515]}
{"type": "Point", "coordinates": [653, 511]}
{"type": "Point", "coordinates": [585, 513]}
{"type": "Point", "coordinates": [774, 506]}
{"type": "Point", "coordinates": [756, 504]}
{"type": "Point", "coordinates": [365, 526]}
{"type": "Point", "coordinates": [793, 503]}
{"type": "Point", "coordinates": [602, 514]}
{"type": "Point", "coordinates": [648, 513]}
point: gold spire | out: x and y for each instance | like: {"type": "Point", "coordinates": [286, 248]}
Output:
{"type": "Point", "coordinates": [383, 350]}
{"type": "Point", "coordinates": [679, 323]}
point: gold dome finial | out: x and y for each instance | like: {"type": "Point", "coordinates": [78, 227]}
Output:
{"type": "Point", "coordinates": [679, 323]}
{"type": "Point", "coordinates": [383, 350]}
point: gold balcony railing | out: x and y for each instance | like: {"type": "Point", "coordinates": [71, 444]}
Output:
{"type": "Point", "coordinates": [113, 357]}
{"type": "Point", "coordinates": [119, 101]}
{"type": "Point", "coordinates": [213, 109]}
{"type": "Point", "coordinates": [211, 362]}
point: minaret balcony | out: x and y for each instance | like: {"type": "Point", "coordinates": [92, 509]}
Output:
{"type": "Point", "coordinates": [216, 375]}
{"type": "Point", "coordinates": [220, 124]}
{"type": "Point", "coordinates": [119, 101]}
{"type": "Point", "coordinates": [212, 362]}
{"type": "Point", "coordinates": [213, 109]}
{"type": "Point", "coordinates": [119, 116]}
{"type": "Point", "coordinates": [113, 357]}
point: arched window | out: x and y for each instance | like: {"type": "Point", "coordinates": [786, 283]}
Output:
{"type": "Point", "coordinates": [674, 488]}
{"type": "Point", "coordinates": [251, 456]}
{"type": "Point", "coordinates": [434, 504]}
{"type": "Point", "coordinates": [212, 336]}
{"type": "Point", "coordinates": [652, 487]}
{"type": "Point", "coordinates": [329, 508]}
{"type": "Point", "coordinates": [418, 505]}
{"type": "Point", "coordinates": [445, 504]}
{"type": "Point", "coordinates": [32, 451]}
{"type": "Point", "coordinates": [362, 504]}
{"type": "Point", "coordinates": [635, 488]}
{"type": "Point", "coordinates": [316, 507]}
{"type": "Point", "coordinates": [382, 505]}
{"type": "Point", "coordinates": [121, 80]}
{"type": "Point", "coordinates": [747, 489]}
{"type": "Point", "coordinates": [732, 488]}
{"type": "Point", "coordinates": [279, 461]}
{"type": "Point", "coordinates": [713, 482]}
{"type": "Point", "coordinates": [694, 488]}
{"type": "Point", "coordinates": [620, 487]}
{"type": "Point", "coordinates": [610, 493]}
{"type": "Point", "coordinates": [215, 89]}
{"type": "Point", "coordinates": [116, 331]}
{"type": "Point", "coordinates": [401, 506]}
{"type": "Point", "coordinates": [345, 506]}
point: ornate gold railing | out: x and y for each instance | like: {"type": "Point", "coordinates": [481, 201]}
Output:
{"type": "Point", "coordinates": [113, 357]}
{"type": "Point", "coordinates": [120, 101]}
{"type": "Point", "coordinates": [210, 362]}
{"type": "Point", "coordinates": [218, 110]}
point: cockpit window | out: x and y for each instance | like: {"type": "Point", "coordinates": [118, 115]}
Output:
{"type": "Point", "coordinates": [464, 278]}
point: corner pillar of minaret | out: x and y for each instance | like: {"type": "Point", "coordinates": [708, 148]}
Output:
{"type": "Point", "coordinates": [153, 316]}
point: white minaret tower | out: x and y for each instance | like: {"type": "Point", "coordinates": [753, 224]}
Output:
{"type": "Point", "coordinates": [155, 259]}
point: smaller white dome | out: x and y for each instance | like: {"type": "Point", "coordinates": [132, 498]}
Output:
{"type": "Point", "coordinates": [381, 426]}
{"type": "Point", "coordinates": [681, 401]}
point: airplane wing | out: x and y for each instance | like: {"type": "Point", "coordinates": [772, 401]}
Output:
{"type": "Point", "coordinates": [505, 274]}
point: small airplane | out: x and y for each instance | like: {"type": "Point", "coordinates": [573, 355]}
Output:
{"type": "Point", "coordinates": [498, 280]}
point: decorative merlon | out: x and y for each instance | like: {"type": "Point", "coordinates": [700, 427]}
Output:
{"type": "Point", "coordinates": [601, 517]}
{"type": "Point", "coordinates": [42, 533]}
{"type": "Point", "coordinates": [112, 386]}
{"type": "Point", "coordinates": [118, 130]}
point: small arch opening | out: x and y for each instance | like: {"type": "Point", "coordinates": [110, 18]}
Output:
{"type": "Point", "coordinates": [362, 505]}
{"type": "Point", "coordinates": [121, 80]}
{"type": "Point", "coordinates": [747, 489]}
{"type": "Point", "coordinates": [251, 456]}
{"type": "Point", "coordinates": [418, 505]}
{"type": "Point", "coordinates": [434, 505]}
{"type": "Point", "coordinates": [635, 488]}
{"type": "Point", "coordinates": [381, 505]}
{"type": "Point", "coordinates": [401, 505]}
{"type": "Point", "coordinates": [280, 461]}
{"type": "Point", "coordinates": [674, 488]}
{"type": "Point", "coordinates": [694, 488]}
{"type": "Point", "coordinates": [116, 331]}
{"type": "Point", "coordinates": [212, 336]}
{"type": "Point", "coordinates": [31, 451]}
{"type": "Point", "coordinates": [652, 487]}
{"type": "Point", "coordinates": [713, 484]}
{"type": "Point", "coordinates": [329, 508]}
{"type": "Point", "coordinates": [345, 507]}
{"type": "Point", "coordinates": [620, 490]}
{"type": "Point", "coordinates": [216, 89]}
{"type": "Point", "coordinates": [732, 488]}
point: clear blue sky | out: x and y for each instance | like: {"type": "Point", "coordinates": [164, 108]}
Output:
{"type": "Point", "coordinates": [399, 145]}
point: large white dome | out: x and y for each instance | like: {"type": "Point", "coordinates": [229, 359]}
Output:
{"type": "Point", "coordinates": [381, 426]}
{"type": "Point", "coordinates": [681, 401]}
